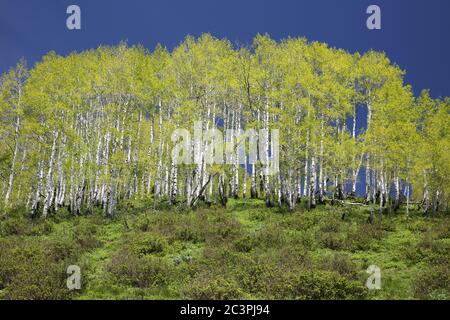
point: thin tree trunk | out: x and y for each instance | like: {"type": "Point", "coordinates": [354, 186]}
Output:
{"type": "Point", "coordinates": [13, 164]}
{"type": "Point", "coordinates": [50, 190]}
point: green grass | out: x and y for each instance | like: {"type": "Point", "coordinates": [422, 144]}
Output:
{"type": "Point", "coordinates": [244, 251]}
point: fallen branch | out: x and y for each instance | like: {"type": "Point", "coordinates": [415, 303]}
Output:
{"type": "Point", "coordinates": [349, 203]}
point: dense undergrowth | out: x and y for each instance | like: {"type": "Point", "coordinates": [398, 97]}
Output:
{"type": "Point", "coordinates": [244, 251]}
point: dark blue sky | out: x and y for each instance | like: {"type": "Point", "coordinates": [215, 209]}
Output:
{"type": "Point", "coordinates": [415, 34]}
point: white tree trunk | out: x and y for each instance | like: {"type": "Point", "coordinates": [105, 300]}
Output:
{"type": "Point", "coordinates": [50, 190]}
{"type": "Point", "coordinates": [13, 164]}
{"type": "Point", "coordinates": [38, 192]}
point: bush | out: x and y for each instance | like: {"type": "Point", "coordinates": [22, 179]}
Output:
{"type": "Point", "coordinates": [340, 263]}
{"type": "Point", "coordinates": [331, 240]}
{"type": "Point", "coordinates": [162, 223]}
{"type": "Point", "coordinates": [143, 223]}
{"type": "Point", "coordinates": [297, 222]}
{"type": "Point", "coordinates": [149, 244]}
{"type": "Point", "coordinates": [7, 265]}
{"type": "Point", "coordinates": [42, 228]}
{"type": "Point", "coordinates": [314, 285]}
{"type": "Point", "coordinates": [435, 252]}
{"type": "Point", "coordinates": [41, 281]}
{"type": "Point", "coordinates": [60, 250]}
{"type": "Point", "coordinates": [418, 226]}
{"type": "Point", "coordinates": [258, 216]}
{"type": "Point", "coordinates": [433, 283]}
{"type": "Point", "coordinates": [245, 243]}
{"type": "Point", "coordinates": [224, 228]}
{"type": "Point", "coordinates": [255, 277]}
{"type": "Point", "coordinates": [291, 255]}
{"type": "Point", "coordinates": [145, 272]}
{"type": "Point", "coordinates": [14, 227]}
{"type": "Point", "coordinates": [270, 237]}
{"type": "Point", "coordinates": [363, 236]}
{"type": "Point", "coordinates": [219, 288]}
{"type": "Point", "coordinates": [306, 239]}
{"type": "Point", "coordinates": [412, 254]}
{"type": "Point", "coordinates": [330, 225]}
{"type": "Point", "coordinates": [86, 234]}
{"type": "Point", "coordinates": [28, 272]}
{"type": "Point", "coordinates": [188, 233]}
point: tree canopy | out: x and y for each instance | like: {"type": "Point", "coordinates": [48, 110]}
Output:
{"type": "Point", "coordinates": [91, 129]}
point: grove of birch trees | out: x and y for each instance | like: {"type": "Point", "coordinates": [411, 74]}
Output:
{"type": "Point", "coordinates": [92, 129]}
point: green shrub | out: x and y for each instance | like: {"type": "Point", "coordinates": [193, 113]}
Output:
{"type": "Point", "coordinates": [41, 281]}
{"type": "Point", "coordinates": [161, 223]}
{"type": "Point", "coordinates": [86, 235]}
{"type": "Point", "coordinates": [188, 234]}
{"type": "Point", "coordinates": [418, 226]}
{"type": "Point", "coordinates": [442, 231]}
{"type": "Point", "coordinates": [433, 283]}
{"type": "Point", "coordinates": [340, 263]}
{"type": "Point", "coordinates": [143, 223]}
{"type": "Point", "coordinates": [28, 272]}
{"type": "Point", "coordinates": [361, 237]}
{"type": "Point", "coordinates": [256, 277]}
{"type": "Point", "coordinates": [142, 272]}
{"type": "Point", "coordinates": [297, 222]}
{"type": "Point", "coordinates": [60, 250]}
{"type": "Point", "coordinates": [7, 264]}
{"type": "Point", "coordinates": [412, 254]}
{"type": "Point", "coordinates": [224, 228]}
{"type": "Point", "coordinates": [219, 288]}
{"type": "Point", "coordinates": [388, 226]}
{"type": "Point", "coordinates": [15, 226]}
{"type": "Point", "coordinates": [315, 285]}
{"type": "Point", "coordinates": [331, 240]}
{"type": "Point", "coordinates": [433, 251]}
{"type": "Point", "coordinates": [270, 237]}
{"type": "Point", "coordinates": [307, 239]}
{"type": "Point", "coordinates": [245, 243]}
{"type": "Point", "coordinates": [220, 258]}
{"type": "Point", "coordinates": [185, 257]}
{"type": "Point", "coordinates": [330, 225]}
{"type": "Point", "coordinates": [259, 216]}
{"type": "Point", "coordinates": [42, 228]}
{"type": "Point", "coordinates": [149, 244]}
{"type": "Point", "coordinates": [291, 255]}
